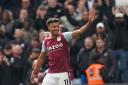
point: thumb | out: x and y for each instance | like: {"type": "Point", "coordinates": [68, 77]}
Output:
{"type": "Point", "coordinates": [32, 77]}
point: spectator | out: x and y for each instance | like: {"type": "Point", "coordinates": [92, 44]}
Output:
{"type": "Point", "coordinates": [102, 32]}
{"type": "Point", "coordinates": [19, 65]}
{"type": "Point", "coordinates": [18, 23]}
{"type": "Point", "coordinates": [55, 10]}
{"type": "Point", "coordinates": [23, 16]}
{"type": "Point", "coordinates": [29, 6]}
{"type": "Point", "coordinates": [106, 56]}
{"type": "Point", "coordinates": [119, 44]}
{"type": "Point", "coordinates": [6, 69]}
{"type": "Point", "coordinates": [3, 38]}
{"type": "Point", "coordinates": [96, 72]}
{"type": "Point", "coordinates": [83, 57]}
{"type": "Point", "coordinates": [34, 54]}
{"type": "Point", "coordinates": [7, 17]}
{"type": "Point", "coordinates": [42, 36]}
{"type": "Point", "coordinates": [29, 31]}
{"type": "Point", "coordinates": [18, 38]}
{"type": "Point", "coordinates": [41, 17]}
{"type": "Point", "coordinates": [63, 28]}
{"type": "Point", "coordinates": [80, 9]}
{"type": "Point", "coordinates": [34, 43]}
{"type": "Point", "coordinates": [108, 9]}
{"type": "Point", "coordinates": [71, 14]}
{"type": "Point", "coordinates": [74, 49]}
{"type": "Point", "coordinates": [89, 4]}
{"type": "Point", "coordinates": [84, 18]}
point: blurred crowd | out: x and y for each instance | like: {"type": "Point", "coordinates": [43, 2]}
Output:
{"type": "Point", "coordinates": [23, 29]}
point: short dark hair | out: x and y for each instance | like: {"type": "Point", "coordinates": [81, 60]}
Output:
{"type": "Point", "coordinates": [52, 20]}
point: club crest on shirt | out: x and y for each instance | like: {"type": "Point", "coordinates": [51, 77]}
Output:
{"type": "Point", "coordinates": [59, 38]}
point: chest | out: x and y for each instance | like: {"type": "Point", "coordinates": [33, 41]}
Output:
{"type": "Point", "coordinates": [56, 45]}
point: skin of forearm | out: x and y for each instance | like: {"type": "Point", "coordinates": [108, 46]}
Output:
{"type": "Point", "coordinates": [77, 33]}
{"type": "Point", "coordinates": [85, 27]}
{"type": "Point", "coordinates": [40, 61]}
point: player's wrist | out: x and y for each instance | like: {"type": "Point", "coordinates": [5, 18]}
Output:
{"type": "Point", "coordinates": [90, 21]}
{"type": "Point", "coordinates": [35, 72]}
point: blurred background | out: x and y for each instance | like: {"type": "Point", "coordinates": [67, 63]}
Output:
{"type": "Point", "coordinates": [23, 29]}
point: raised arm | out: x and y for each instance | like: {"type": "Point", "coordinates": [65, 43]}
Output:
{"type": "Point", "coordinates": [77, 33]}
{"type": "Point", "coordinates": [40, 61]}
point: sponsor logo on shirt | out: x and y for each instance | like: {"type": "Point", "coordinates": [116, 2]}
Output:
{"type": "Point", "coordinates": [55, 47]}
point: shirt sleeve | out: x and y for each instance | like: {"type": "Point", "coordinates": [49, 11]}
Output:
{"type": "Point", "coordinates": [68, 36]}
{"type": "Point", "coordinates": [43, 48]}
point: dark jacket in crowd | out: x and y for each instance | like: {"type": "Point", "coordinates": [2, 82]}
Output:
{"type": "Point", "coordinates": [108, 60]}
{"type": "Point", "coordinates": [120, 37]}
{"type": "Point", "coordinates": [40, 24]}
{"type": "Point", "coordinates": [15, 73]}
{"type": "Point", "coordinates": [83, 58]}
{"type": "Point", "coordinates": [58, 11]}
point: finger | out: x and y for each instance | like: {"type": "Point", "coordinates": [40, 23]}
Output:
{"type": "Point", "coordinates": [31, 79]}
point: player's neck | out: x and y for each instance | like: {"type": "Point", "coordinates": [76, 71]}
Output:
{"type": "Point", "coordinates": [54, 36]}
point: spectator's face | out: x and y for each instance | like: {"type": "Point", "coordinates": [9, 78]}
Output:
{"type": "Point", "coordinates": [100, 43]}
{"type": "Point", "coordinates": [71, 9]}
{"type": "Point", "coordinates": [34, 43]}
{"type": "Point", "coordinates": [17, 50]}
{"type": "Point", "coordinates": [41, 36]}
{"type": "Point", "coordinates": [5, 15]}
{"type": "Point", "coordinates": [119, 20]}
{"type": "Point", "coordinates": [19, 34]}
{"type": "Point", "coordinates": [26, 4]}
{"type": "Point", "coordinates": [23, 14]}
{"type": "Point", "coordinates": [52, 3]}
{"type": "Point", "coordinates": [27, 25]}
{"type": "Point", "coordinates": [7, 51]}
{"type": "Point", "coordinates": [41, 13]}
{"type": "Point", "coordinates": [34, 55]}
{"type": "Point", "coordinates": [54, 28]}
{"type": "Point", "coordinates": [85, 16]}
{"type": "Point", "coordinates": [88, 43]}
{"type": "Point", "coordinates": [81, 5]}
{"type": "Point", "coordinates": [100, 2]}
{"type": "Point", "coordinates": [100, 29]}
{"type": "Point", "coordinates": [61, 27]}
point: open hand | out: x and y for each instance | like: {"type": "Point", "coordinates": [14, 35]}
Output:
{"type": "Point", "coordinates": [33, 76]}
{"type": "Point", "coordinates": [92, 15]}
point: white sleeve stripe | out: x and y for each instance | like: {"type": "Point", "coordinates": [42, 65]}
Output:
{"type": "Point", "coordinates": [68, 36]}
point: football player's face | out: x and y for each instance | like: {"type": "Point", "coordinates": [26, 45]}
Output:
{"type": "Point", "coordinates": [54, 28]}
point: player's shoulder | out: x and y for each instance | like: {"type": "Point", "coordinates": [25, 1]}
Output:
{"type": "Point", "coordinates": [66, 32]}
{"type": "Point", "coordinates": [46, 39]}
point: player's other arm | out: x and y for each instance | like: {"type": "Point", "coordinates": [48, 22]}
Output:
{"type": "Point", "coordinates": [40, 61]}
{"type": "Point", "coordinates": [77, 33]}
